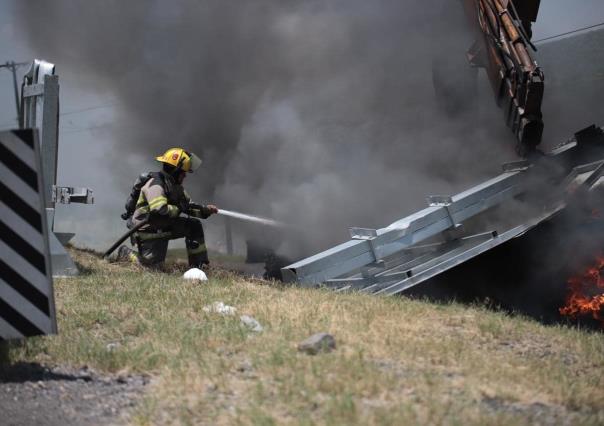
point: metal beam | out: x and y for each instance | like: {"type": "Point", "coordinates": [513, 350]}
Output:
{"type": "Point", "coordinates": [420, 246]}
{"type": "Point", "coordinates": [405, 232]}
{"type": "Point", "coordinates": [50, 133]}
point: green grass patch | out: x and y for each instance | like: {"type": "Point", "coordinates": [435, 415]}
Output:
{"type": "Point", "coordinates": [397, 361]}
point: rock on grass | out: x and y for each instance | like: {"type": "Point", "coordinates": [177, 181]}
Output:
{"type": "Point", "coordinates": [320, 342]}
{"type": "Point", "coordinates": [251, 323]}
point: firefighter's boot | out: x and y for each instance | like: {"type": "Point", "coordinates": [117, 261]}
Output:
{"type": "Point", "coordinates": [126, 254]}
{"type": "Point", "coordinates": [197, 253]}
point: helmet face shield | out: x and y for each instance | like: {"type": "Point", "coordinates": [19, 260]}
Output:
{"type": "Point", "coordinates": [194, 162]}
{"type": "Point", "coordinates": [180, 159]}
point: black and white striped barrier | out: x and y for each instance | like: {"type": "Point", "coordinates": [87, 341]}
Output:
{"type": "Point", "coordinates": [26, 290]}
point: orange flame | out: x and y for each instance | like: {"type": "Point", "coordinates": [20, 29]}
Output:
{"type": "Point", "coordinates": [586, 296]}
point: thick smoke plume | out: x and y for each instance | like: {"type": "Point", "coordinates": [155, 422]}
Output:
{"type": "Point", "coordinates": [317, 113]}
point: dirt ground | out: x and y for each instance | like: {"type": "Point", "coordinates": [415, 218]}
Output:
{"type": "Point", "coordinates": [35, 394]}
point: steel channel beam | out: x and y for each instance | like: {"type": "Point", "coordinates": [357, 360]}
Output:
{"type": "Point", "coordinates": [50, 134]}
{"type": "Point", "coordinates": [437, 266]}
{"type": "Point", "coordinates": [436, 250]}
{"type": "Point", "coordinates": [437, 259]}
{"type": "Point", "coordinates": [407, 266]}
{"type": "Point", "coordinates": [360, 282]}
{"type": "Point", "coordinates": [457, 257]}
{"type": "Point", "coordinates": [475, 196]}
{"type": "Point", "coordinates": [404, 233]}
{"type": "Point", "coordinates": [401, 260]}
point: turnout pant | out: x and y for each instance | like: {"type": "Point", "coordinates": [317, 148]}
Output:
{"type": "Point", "coordinates": [153, 244]}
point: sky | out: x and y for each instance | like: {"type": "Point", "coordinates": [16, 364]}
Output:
{"type": "Point", "coordinates": [87, 113]}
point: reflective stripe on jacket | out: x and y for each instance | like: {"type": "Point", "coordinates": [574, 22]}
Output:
{"type": "Point", "coordinates": [163, 197]}
{"type": "Point", "coordinates": [159, 196]}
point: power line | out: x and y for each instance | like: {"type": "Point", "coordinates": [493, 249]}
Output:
{"type": "Point", "coordinates": [569, 32]}
{"type": "Point", "coordinates": [86, 129]}
{"type": "Point", "coordinates": [77, 111]}
{"type": "Point", "coordinates": [11, 64]}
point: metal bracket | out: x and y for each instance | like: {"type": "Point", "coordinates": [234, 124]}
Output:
{"type": "Point", "coordinates": [362, 233]}
{"type": "Point", "coordinates": [368, 235]}
{"type": "Point", "coordinates": [33, 90]}
{"type": "Point", "coordinates": [443, 201]}
{"type": "Point", "coordinates": [68, 195]}
{"type": "Point", "coordinates": [439, 200]}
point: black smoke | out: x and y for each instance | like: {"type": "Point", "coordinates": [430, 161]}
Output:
{"type": "Point", "coordinates": [317, 113]}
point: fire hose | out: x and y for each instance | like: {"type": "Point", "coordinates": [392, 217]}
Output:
{"type": "Point", "coordinates": [124, 237]}
{"type": "Point", "coordinates": [222, 212]}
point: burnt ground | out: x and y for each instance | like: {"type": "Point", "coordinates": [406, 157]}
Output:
{"type": "Point", "coordinates": [36, 394]}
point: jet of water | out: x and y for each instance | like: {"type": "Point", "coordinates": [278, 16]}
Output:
{"type": "Point", "coordinates": [251, 218]}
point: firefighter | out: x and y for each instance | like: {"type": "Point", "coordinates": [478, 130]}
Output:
{"type": "Point", "coordinates": [162, 200]}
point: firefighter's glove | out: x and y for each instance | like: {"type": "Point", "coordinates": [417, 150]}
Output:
{"type": "Point", "coordinates": [203, 212]}
{"type": "Point", "coordinates": [211, 209]}
{"type": "Point", "coordinates": [173, 211]}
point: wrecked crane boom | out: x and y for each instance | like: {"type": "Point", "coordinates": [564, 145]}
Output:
{"type": "Point", "coordinates": [503, 48]}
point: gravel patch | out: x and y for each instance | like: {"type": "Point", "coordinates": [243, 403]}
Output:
{"type": "Point", "coordinates": [36, 394]}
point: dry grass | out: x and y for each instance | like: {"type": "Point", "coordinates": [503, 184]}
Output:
{"type": "Point", "coordinates": [398, 361]}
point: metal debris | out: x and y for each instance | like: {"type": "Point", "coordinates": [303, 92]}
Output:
{"type": "Point", "coordinates": [454, 229]}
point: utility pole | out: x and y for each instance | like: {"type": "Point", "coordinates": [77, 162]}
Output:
{"type": "Point", "coordinates": [12, 66]}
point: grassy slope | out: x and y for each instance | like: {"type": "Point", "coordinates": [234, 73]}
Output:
{"type": "Point", "coordinates": [398, 361]}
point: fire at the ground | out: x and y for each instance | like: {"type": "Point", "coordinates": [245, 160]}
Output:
{"type": "Point", "coordinates": [586, 293]}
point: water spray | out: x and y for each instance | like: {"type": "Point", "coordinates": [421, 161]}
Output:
{"type": "Point", "coordinates": [251, 218]}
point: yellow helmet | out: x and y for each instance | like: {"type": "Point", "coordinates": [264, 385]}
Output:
{"type": "Point", "coordinates": [181, 159]}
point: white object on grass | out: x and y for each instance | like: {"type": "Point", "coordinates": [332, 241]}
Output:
{"type": "Point", "coordinates": [251, 323]}
{"type": "Point", "coordinates": [220, 308]}
{"type": "Point", "coordinates": [195, 274]}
